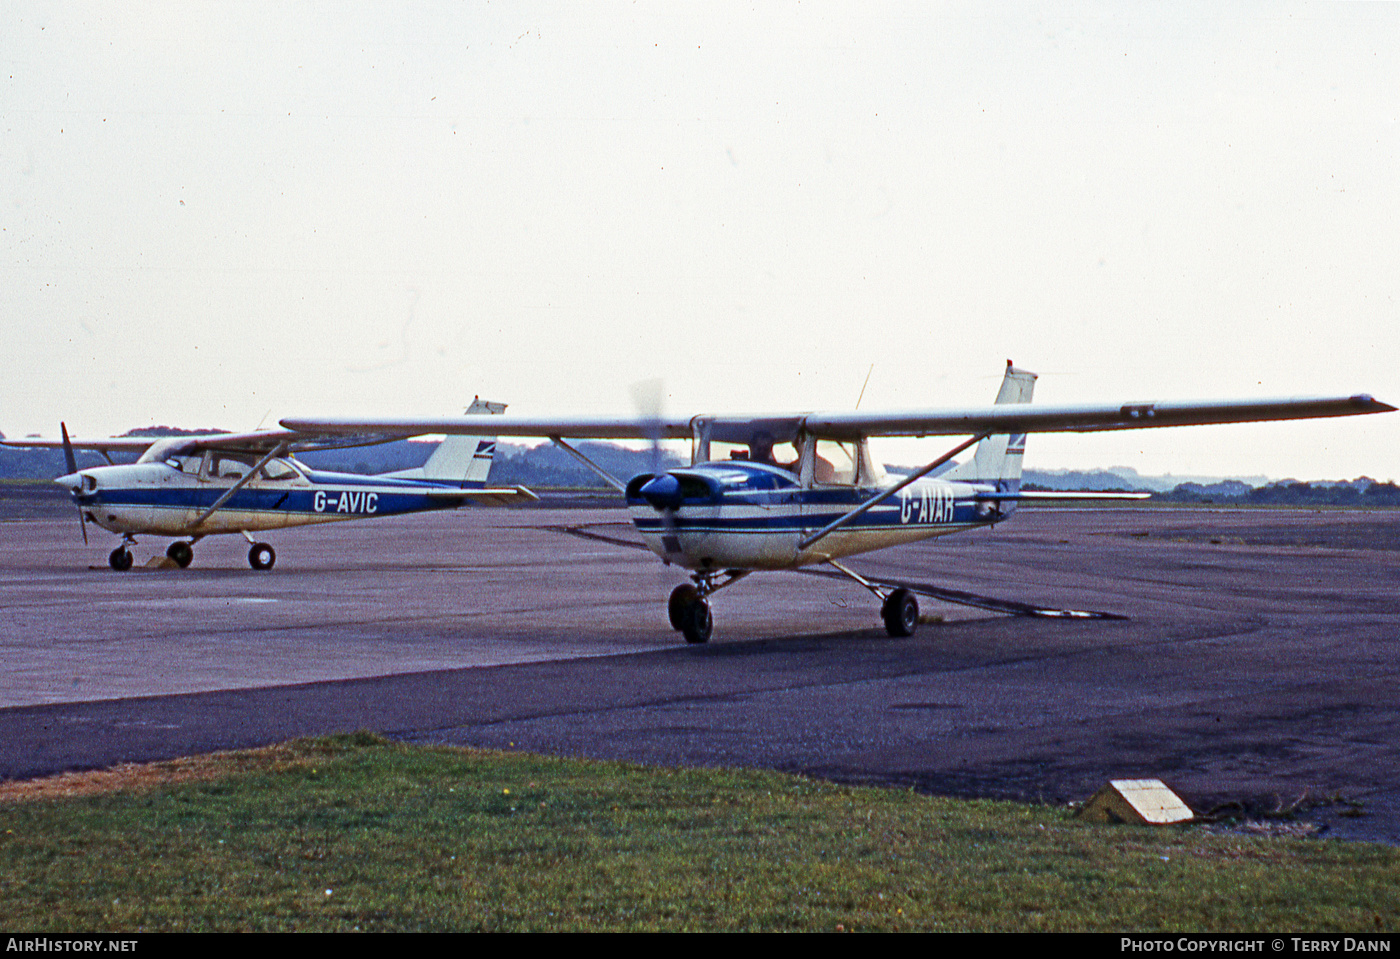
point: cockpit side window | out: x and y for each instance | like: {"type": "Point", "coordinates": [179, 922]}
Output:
{"type": "Point", "coordinates": [836, 463]}
{"type": "Point", "coordinates": [829, 463]}
{"type": "Point", "coordinates": [278, 470]}
{"type": "Point", "coordinates": [228, 466]}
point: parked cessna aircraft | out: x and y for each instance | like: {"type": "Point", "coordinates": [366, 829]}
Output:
{"type": "Point", "coordinates": [777, 492]}
{"type": "Point", "coordinates": [195, 486]}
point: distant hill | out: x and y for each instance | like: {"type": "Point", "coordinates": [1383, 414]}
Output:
{"type": "Point", "coordinates": [1081, 480]}
{"type": "Point", "coordinates": [172, 431]}
{"type": "Point", "coordinates": [382, 458]}
{"type": "Point", "coordinates": [545, 465]}
{"type": "Point", "coordinates": [1125, 477]}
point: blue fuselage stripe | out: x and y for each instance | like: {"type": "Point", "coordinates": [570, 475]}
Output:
{"type": "Point", "coordinates": [334, 494]}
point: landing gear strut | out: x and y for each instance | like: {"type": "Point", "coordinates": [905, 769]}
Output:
{"type": "Point", "coordinates": [689, 609]}
{"type": "Point", "coordinates": [898, 607]}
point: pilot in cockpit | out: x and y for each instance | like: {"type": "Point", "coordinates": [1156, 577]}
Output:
{"type": "Point", "coordinates": [761, 451]}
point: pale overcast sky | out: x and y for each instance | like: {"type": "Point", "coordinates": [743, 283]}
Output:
{"type": "Point", "coordinates": [221, 213]}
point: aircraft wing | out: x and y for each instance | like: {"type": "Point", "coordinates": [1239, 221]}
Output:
{"type": "Point", "coordinates": [110, 444]}
{"type": "Point", "coordinates": [1006, 418]}
{"type": "Point", "coordinates": [259, 441]}
{"type": "Point", "coordinates": [295, 441]}
{"type": "Point", "coordinates": [591, 428]}
{"type": "Point", "coordinates": [1029, 418]}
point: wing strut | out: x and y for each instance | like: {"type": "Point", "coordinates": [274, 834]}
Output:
{"type": "Point", "coordinates": [277, 450]}
{"type": "Point", "coordinates": [885, 494]}
{"type": "Point", "coordinates": [611, 480]}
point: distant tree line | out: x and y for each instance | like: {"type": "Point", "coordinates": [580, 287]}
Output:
{"type": "Point", "coordinates": [1363, 492]}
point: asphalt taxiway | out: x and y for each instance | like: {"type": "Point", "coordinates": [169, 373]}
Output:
{"type": "Point", "coordinates": [1256, 660]}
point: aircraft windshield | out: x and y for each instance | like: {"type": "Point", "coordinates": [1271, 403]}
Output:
{"type": "Point", "coordinates": [175, 446]}
{"type": "Point", "coordinates": [185, 464]}
{"type": "Point", "coordinates": [228, 466]}
{"type": "Point", "coordinates": [778, 441]}
{"type": "Point", "coordinates": [761, 450]}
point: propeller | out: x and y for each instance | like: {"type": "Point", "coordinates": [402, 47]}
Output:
{"type": "Point", "coordinates": [71, 462]}
{"type": "Point", "coordinates": [646, 395]}
{"type": "Point", "coordinates": [662, 491]}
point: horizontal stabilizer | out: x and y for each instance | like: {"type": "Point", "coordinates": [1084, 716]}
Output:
{"type": "Point", "coordinates": [1058, 496]}
{"type": "Point", "coordinates": [493, 496]}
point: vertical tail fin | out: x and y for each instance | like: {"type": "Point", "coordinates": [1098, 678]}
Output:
{"type": "Point", "coordinates": [998, 458]}
{"type": "Point", "coordinates": [460, 459]}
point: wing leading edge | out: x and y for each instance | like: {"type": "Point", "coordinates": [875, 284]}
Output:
{"type": "Point", "coordinates": [1012, 418]}
{"type": "Point", "coordinates": [261, 441]}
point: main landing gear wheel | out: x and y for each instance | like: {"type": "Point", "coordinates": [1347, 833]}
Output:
{"type": "Point", "coordinates": [696, 622]}
{"type": "Point", "coordinates": [120, 560]}
{"type": "Point", "coordinates": [261, 556]}
{"type": "Point", "coordinates": [901, 613]}
{"type": "Point", "coordinates": [181, 552]}
{"type": "Point", "coordinates": [681, 598]}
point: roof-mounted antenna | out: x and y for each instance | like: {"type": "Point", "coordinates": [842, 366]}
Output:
{"type": "Point", "coordinates": [864, 385]}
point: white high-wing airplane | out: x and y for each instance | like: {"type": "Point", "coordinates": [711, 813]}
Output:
{"type": "Point", "coordinates": [196, 486]}
{"type": "Point", "coordinates": [777, 492]}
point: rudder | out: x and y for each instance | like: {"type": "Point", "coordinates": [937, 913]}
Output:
{"type": "Point", "coordinates": [460, 459]}
{"type": "Point", "coordinates": [998, 458]}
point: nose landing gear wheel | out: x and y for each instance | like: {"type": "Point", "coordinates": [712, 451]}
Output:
{"type": "Point", "coordinates": [261, 556]}
{"type": "Point", "coordinates": [181, 552]}
{"type": "Point", "coordinates": [901, 613]}
{"type": "Point", "coordinates": [681, 597]}
{"type": "Point", "coordinates": [120, 559]}
{"type": "Point", "coordinates": [696, 623]}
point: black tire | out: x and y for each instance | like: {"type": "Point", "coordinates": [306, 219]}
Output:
{"type": "Point", "coordinates": [901, 613]}
{"type": "Point", "coordinates": [697, 623]}
{"type": "Point", "coordinates": [681, 597]}
{"type": "Point", "coordinates": [261, 556]}
{"type": "Point", "coordinates": [181, 552]}
{"type": "Point", "coordinates": [120, 560]}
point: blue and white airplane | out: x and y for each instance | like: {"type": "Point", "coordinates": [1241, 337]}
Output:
{"type": "Point", "coordinates": [778, 492]}
{"type": "Point", "coordinates": [191, 487]}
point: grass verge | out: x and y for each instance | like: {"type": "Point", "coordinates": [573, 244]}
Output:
{"type": "Point", "coordinates": [356, 832]}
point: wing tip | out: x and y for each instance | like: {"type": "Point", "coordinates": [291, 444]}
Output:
{"type": "Point", "coordinates": [1370, 404]}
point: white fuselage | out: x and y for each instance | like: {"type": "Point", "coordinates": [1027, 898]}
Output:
{"type": "Point", "coordinates": [749, 521]}
{"type": "Point", "coordinates": [172, 498]}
